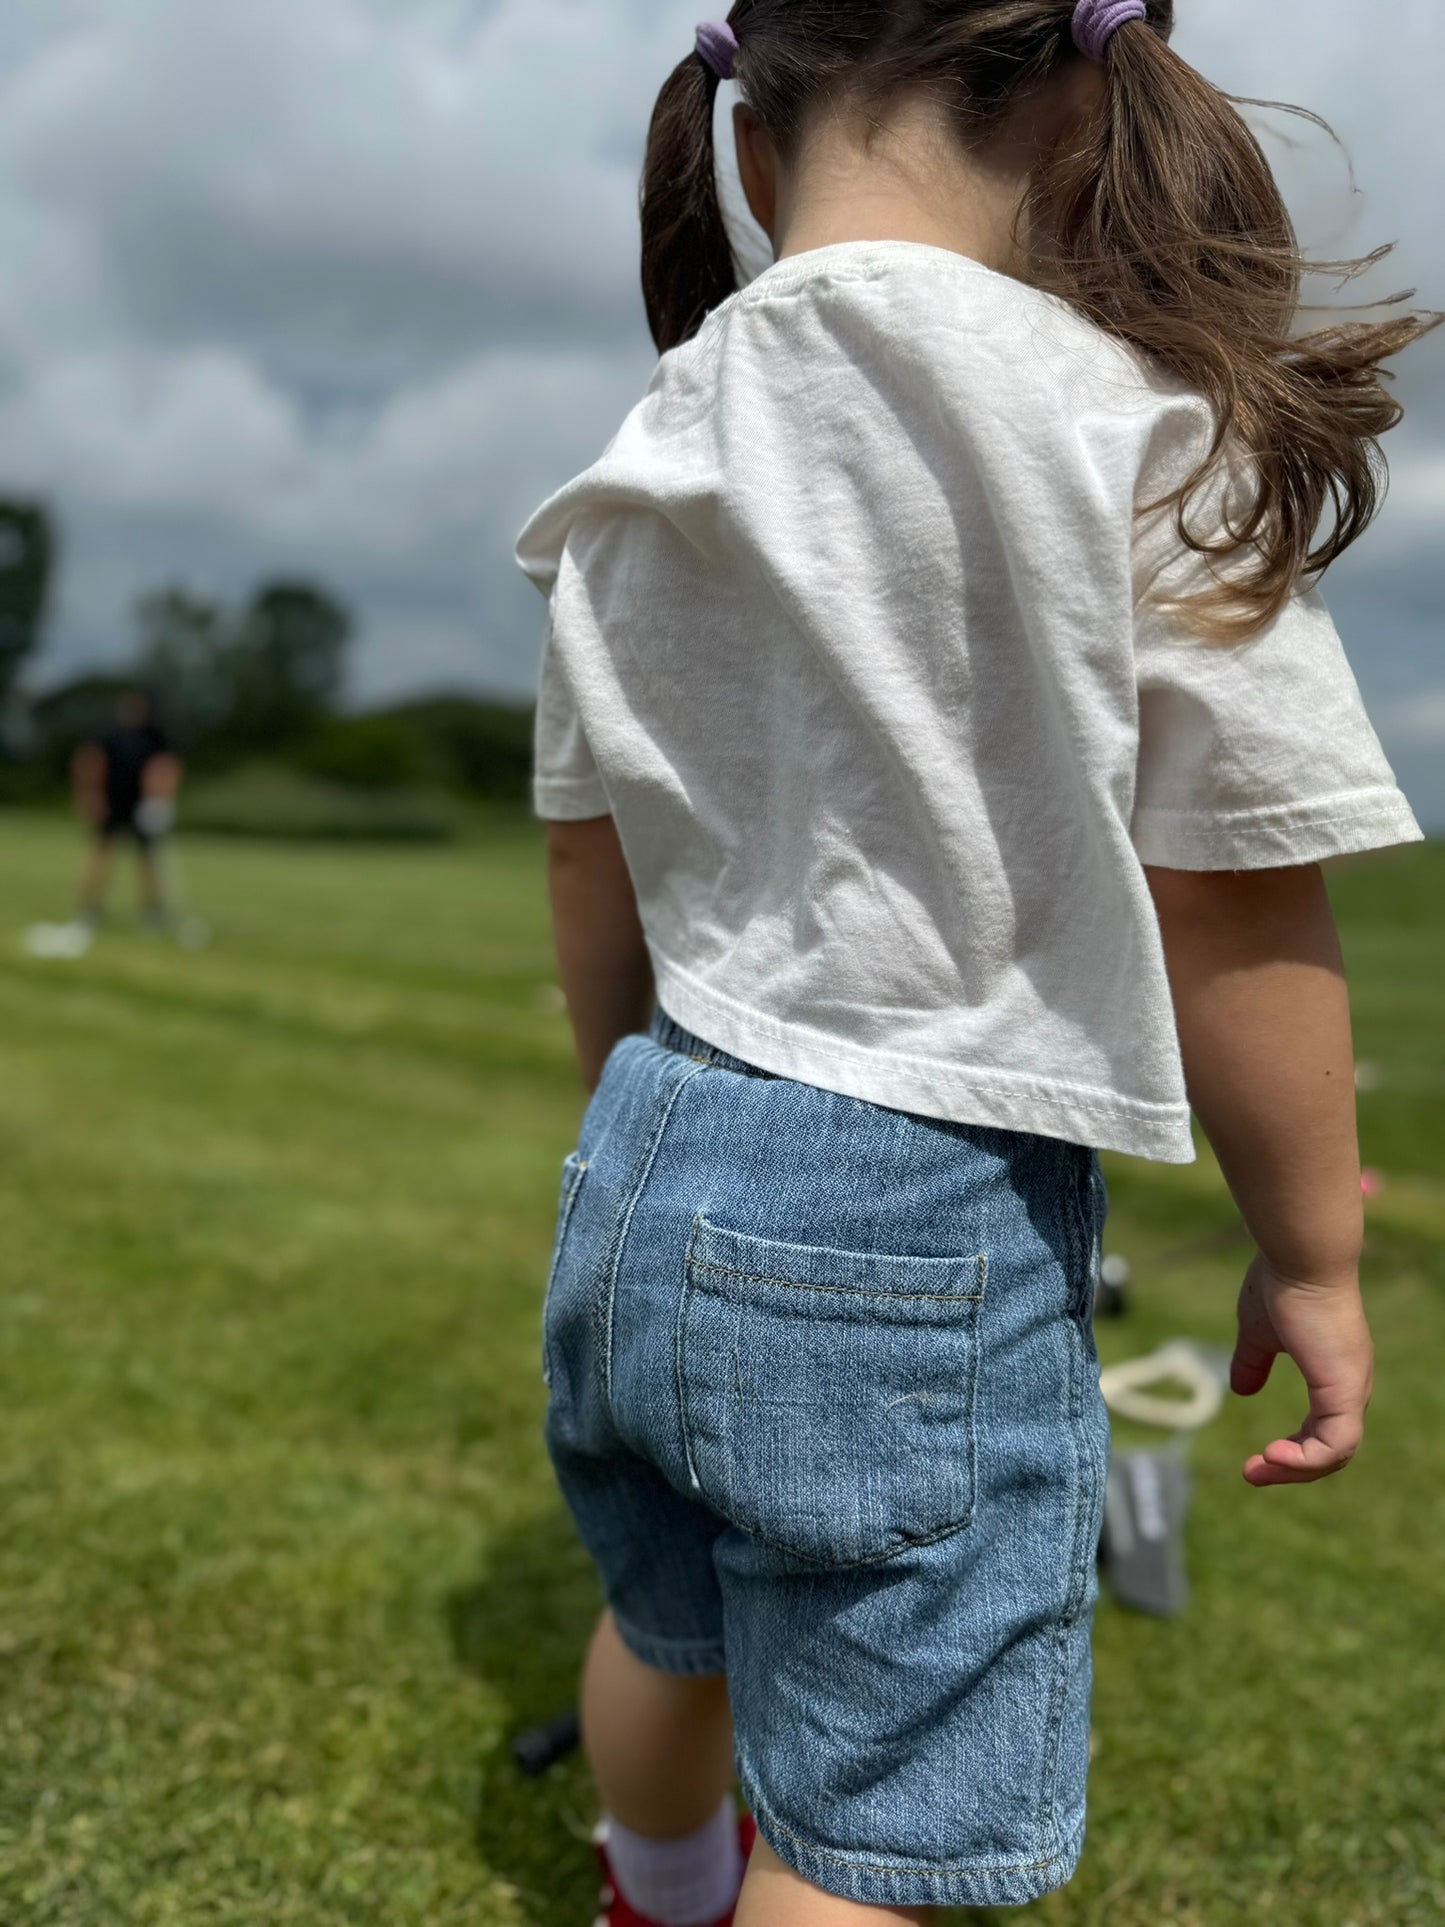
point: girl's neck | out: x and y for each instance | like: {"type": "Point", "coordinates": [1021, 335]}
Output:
{"type": "Point", "coordinates": [911, 179]}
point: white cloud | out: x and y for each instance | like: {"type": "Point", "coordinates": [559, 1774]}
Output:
{"type": "Point", "coordinates": [350, 188]}
{"type": "Point", "coordinates": [406, 503]}
{"type": "Point", "coordinates": [201, 434]}
{"type": "Point", "coordinates": [1417, 495]}
{"type": "Point", "coordinates": [1418, 720]}
{"type": "Point", "coordinates": [347, 286]}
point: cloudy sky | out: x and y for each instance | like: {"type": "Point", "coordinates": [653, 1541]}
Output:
{"type": "Point", "coordinates": [345, 286]}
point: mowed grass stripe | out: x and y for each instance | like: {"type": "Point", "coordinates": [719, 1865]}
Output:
{"type": "Point", "coordinates": [281, 1565]}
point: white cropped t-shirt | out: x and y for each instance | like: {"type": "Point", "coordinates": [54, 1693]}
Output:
{"type": "Point", "coordinates": [856, 634]}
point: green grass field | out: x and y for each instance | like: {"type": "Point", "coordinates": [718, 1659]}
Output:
{"type": "Point", "coordinates": [281, 1565]}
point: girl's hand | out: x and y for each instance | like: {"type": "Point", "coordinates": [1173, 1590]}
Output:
{"type": "Point", "coordinates": [1321, 1325]}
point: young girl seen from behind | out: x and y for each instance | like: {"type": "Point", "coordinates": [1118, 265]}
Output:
{"type": "Point", "coordinates": [940, 735]}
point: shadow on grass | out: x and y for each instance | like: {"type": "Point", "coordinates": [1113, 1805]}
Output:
{"type": "Point", "coordinates": [521, 1629]}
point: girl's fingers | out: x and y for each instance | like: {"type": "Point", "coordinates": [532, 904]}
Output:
{"type": "Point", "coordinates": [1323, 1448]}
{"type": "Point", "coordinates": [1256, 1348]}
{"type": "Point", "coordinates": [1251, 1366]}
{"type": "Point", "coordinates": [1326, 1335]}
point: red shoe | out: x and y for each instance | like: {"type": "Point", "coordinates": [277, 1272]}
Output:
{"type": "Point", "coordinates": [615, 1910]}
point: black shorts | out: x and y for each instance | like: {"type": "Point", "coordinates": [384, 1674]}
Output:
{"type": "Point", "coordinates": [123, 823]}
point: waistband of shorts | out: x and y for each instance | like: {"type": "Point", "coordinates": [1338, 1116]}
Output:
{"type": "Point", "coordinates": [672, 1036]}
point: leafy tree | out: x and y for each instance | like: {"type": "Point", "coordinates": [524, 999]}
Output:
{"type": "Point", "coordinates": [286, 665]}
{"type": "Point", "coordinates": [376, 752]}
{"type": "Point", "coordinates": [182, 653]}
{"type": "Point", "coordinates": [27, 558]}
{"type": "Point", "coordinates": [253, 683]}
{"type": "Point", "coordinates": [483, 748]}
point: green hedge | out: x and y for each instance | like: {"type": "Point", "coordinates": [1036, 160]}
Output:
{"type": "Point", "coordinates": [263, 801]}
{"type": "Point", "coordinates": [472, 749]}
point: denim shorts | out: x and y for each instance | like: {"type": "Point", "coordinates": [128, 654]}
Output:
{"type": "Point", "coordinates": [825, 1406]}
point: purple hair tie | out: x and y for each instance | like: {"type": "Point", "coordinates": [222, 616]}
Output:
{"type": "Point", "coordinates": [718, 45]}
{"type": "Point", "coordinates": [1097, 21]}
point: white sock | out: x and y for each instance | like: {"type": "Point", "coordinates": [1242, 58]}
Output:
{"type": "Point", "coordinates": [680, 1883]}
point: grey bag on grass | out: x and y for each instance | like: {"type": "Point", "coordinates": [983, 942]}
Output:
{"type": "Point", "coordinates": [1145, 1508]}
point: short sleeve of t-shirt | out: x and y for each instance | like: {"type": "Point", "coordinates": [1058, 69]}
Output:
{"type": "Point", "coordinates": [1257, 755]}
{"type": "Point", "coordinates": [566, 786]}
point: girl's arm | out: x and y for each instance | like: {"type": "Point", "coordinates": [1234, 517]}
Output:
{"type": "Point", "coordinates": [606, 971]}
{"type": "Point", "coordinates": [1264, 1022]}
{"type": "Point", "coordinates": [162, 776]}
{"type": "Point", "coordinates": [87, 782]}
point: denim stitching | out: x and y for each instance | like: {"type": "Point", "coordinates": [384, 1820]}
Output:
{"type": "Point", "coordinates": [1083, 1486]}
{"type": "Point", "coordinates": [846, 1291]}
{"type": "Point", "coordinates": [815, 1564]}
{"type": "Point", "coordinates": [639, 1185]}
{"type": "Point", "coordinates": [671, 1036]}
{"type": "Point", "coordinates": [929, 1873]}
{"type": "Point", "coordinates": [684, 1303]}
{"type": "Point", "coordinates": [974, 1375]}
{"type": "Point", "coordinates": [950, 1531]}
{"type": "Point", "coordinates": [579, 1172]}
{"type": "Point", "coordinates": [699, 1649]}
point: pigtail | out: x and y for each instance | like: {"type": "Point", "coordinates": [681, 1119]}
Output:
{"type": "Point", "coordinates": [1161, 221]}
{"type": "Point", "coordinates": [1168, 229]}
{"type": "Point", "coordinates": [687, 259]}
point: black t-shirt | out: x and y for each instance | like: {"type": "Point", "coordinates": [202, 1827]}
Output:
{"type": "Point", "coordinates": [127, 751]}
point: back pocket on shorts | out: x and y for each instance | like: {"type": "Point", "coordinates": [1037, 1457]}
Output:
{"type": "Point", "coordinates": [827, 1396]}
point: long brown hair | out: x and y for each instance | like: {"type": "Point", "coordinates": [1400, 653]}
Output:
{"type": "Point", "coordinates": [1163, 223]}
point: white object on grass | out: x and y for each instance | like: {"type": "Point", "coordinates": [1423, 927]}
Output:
{"type": "Point", "coordinates": [60, 942]}
{"type": "Point", "coordinates": [156, 816]}
{"type": "Point", "coordinates": [190, 931]}
{"type": "Point", "coordinates": [1126, 1388]}
{"type": "Point", "coordinates": [193, 933]}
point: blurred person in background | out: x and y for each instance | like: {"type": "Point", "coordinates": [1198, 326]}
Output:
{"type": "Point", "coordinates": [126, 781]}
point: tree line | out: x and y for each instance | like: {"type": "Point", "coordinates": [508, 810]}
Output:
{"type": "Point", "coordinates": [258, 681]}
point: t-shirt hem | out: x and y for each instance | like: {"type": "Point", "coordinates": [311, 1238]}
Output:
{"type": "Point", "coordinates": [924, 1087]}
{"type": "Point", "coordinates": [569, 799]}
{"type": "Point", "coordinates": [1273, 839]}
